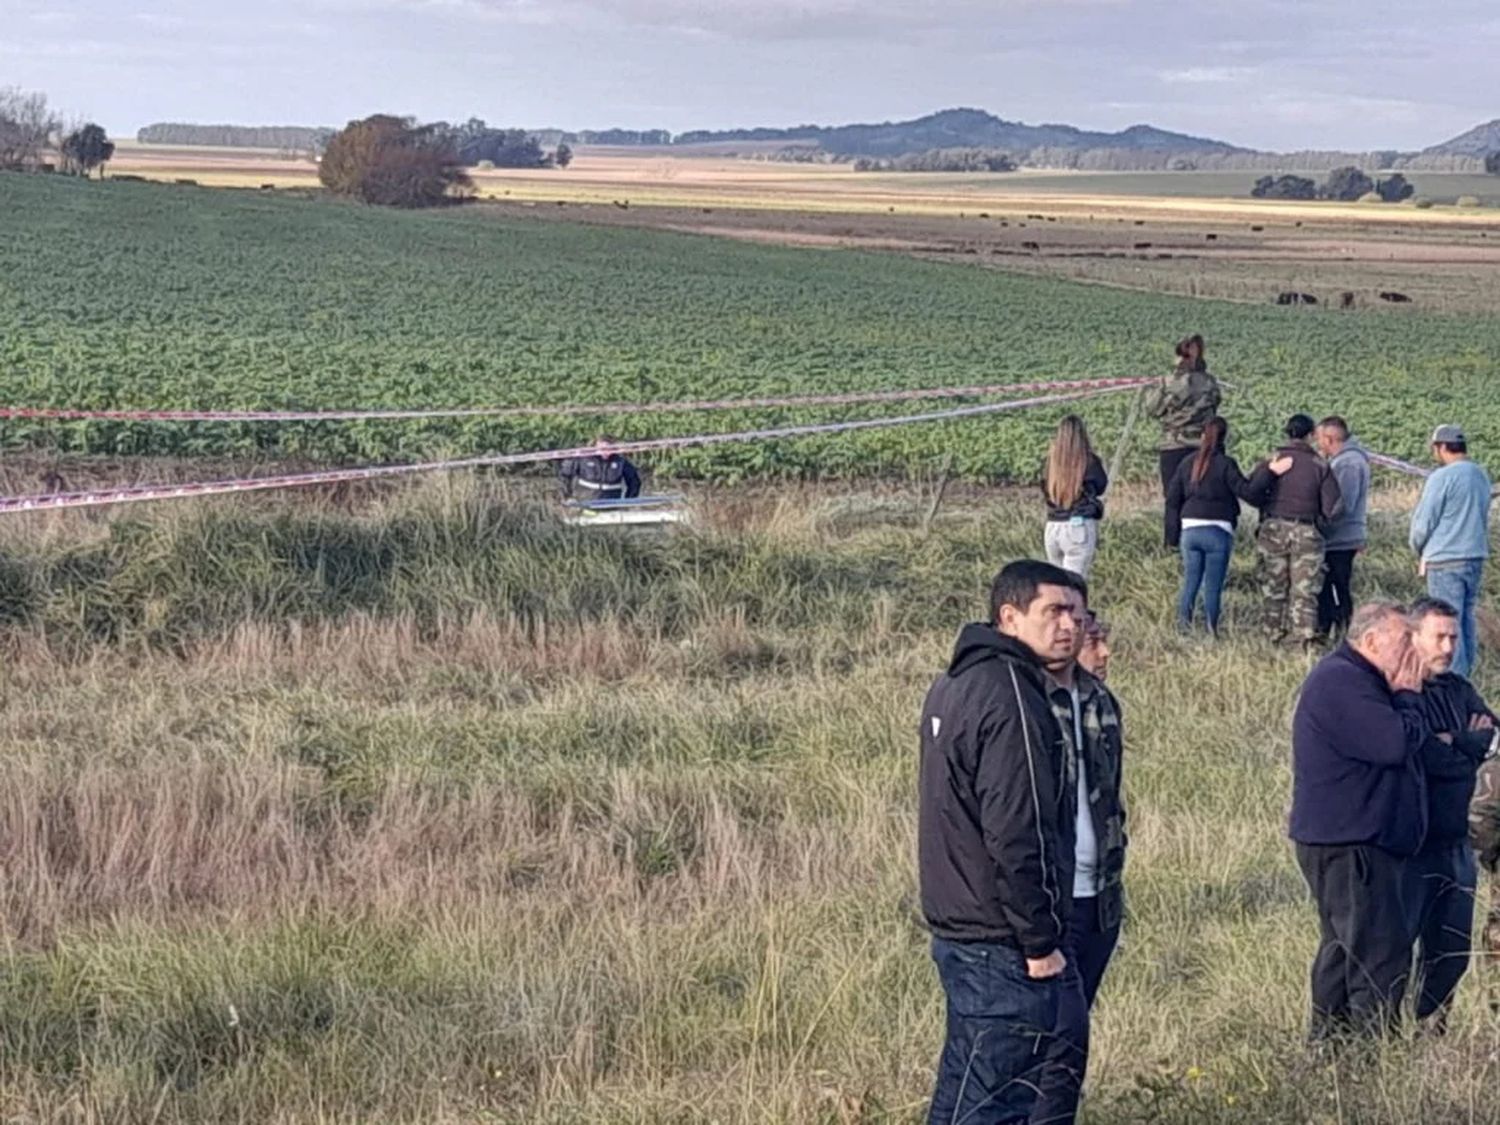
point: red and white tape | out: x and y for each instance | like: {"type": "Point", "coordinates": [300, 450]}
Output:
{"type": "Point", "coordinates": [131, 494]}
{"type": "Point", "coordinates": [851, 398]}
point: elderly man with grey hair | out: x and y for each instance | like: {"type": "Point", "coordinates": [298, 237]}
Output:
{"type": "Point", "coordinates": [1359, 812]}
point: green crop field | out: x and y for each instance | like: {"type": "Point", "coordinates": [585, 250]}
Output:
{"type": "Point", "coordinates": [116, 295]}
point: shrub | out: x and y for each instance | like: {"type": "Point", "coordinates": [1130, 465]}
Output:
{"type": "Point", "coordinates": [1422, 203]}
{"type": "Point", "coordinates": [392, 161]}
{"type": "Point", "coordinates": [1371, 197]}
{"type": "Point", "coordinates": [1469, 201]}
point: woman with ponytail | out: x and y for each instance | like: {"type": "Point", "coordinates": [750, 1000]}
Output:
{"type": "Point", "coordinates": [1073, 480]}
{"type": "Point", "coordinates": [1203, 509]}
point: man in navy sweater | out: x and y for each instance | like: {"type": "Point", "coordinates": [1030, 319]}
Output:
{"type": "Point", "coordinates": [1442, 877]}
{"type": "Point", "coordinates": [1359, 812]}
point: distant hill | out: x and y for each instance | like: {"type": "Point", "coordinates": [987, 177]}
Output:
{"type": "Point", "coordinates": [1138, 148]}
{"type": "Point", "coordinates": [1478, 141]}
{"type": "Point", "coordinates": [961, 128]}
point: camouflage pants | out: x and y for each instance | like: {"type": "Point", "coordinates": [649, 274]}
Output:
{"type": "Point", "coordinates": [1291, 574]}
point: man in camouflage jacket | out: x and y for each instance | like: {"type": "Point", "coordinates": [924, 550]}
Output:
{"type": "Point", "coordinates": [1484, 835]}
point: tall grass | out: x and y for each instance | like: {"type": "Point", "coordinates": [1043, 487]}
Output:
{"type": "Point", "coordinates": [432, 810]}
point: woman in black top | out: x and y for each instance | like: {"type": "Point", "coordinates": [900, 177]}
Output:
{"type": "Point", "coordinates": [1073, 480]}
{"type": "Point", "coordinates": [1203, 509]}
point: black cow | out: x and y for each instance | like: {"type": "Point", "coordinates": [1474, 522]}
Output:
{"type": "Point", "coordinates": [1296, 299]}
{"type": "Point", "coordinates": [1396, 298]}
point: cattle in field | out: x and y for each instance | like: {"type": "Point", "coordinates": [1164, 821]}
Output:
{"type": "Point", "coordinates": [1395, 298]}
{"type": "Point", "coordinates": [1296, 299]}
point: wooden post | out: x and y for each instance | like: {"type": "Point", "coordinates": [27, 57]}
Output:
{"type": "Point", "coordinates": [1117, 462]}
{"type": "Point", "coordinates": [937, 497]}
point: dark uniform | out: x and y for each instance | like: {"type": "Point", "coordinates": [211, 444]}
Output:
{"type": "Point", "coordinates": [1442, 875]}
{"type": "Point", "coordinates": [599, 478]}
{"type": "Point", "coordinates": [1294, 508]}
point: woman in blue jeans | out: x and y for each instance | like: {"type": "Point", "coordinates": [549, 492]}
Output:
{"type": "Point", "coordinates": [1203, 509]}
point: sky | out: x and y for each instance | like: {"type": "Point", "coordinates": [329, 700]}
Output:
{"type": "Point", "coordinates": [1272, 74]}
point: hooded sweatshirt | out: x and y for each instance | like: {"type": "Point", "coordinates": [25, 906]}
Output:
{"type": "Point", "coordinates": [997, 801]}
{"type": "Point", "coordinates": [1351, 468]}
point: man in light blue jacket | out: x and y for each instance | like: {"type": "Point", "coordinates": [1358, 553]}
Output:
{"type": "Point", "coordinates": [1346, 536]}
{"type": "Point", "coordinates": [1450, 530]}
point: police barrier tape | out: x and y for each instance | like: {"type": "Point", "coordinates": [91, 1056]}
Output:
{"type": "Point", "coordinates": [850, 398]}
{"type": "Point", "coordinates": [130, 494]}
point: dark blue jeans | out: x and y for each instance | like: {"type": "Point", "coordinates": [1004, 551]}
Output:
{"type": "Point", "coordinates": [1440, 895]}
{"type": "Point", "coordinates": [1457, 583]}
{"type": "Point", "coordinates": [1088, 950]}
{"type": "Point", "coordinates": [999, 1024]}
{"type": "Point", "coordinates": [1205, 564]}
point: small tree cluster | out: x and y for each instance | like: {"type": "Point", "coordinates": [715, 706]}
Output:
{"type": "Point", "coordinates": [1284, 187]}
{"type": "Point", "coordinates": [941, 160]}
{"type": "Point", "coordinates": [475, 142]}
{"type": "Point", "coordinates": [395, 162]}
{"type": "Point", "coordinates": [85, 149]}
{"type": "Point", "coordinates": [1492, 163]}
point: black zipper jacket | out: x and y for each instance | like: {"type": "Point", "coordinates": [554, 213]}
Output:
{"type": "Point", "coordinates": [1449, 701]}
{"type": "Point", "coordinates": [1216, 497]}
{"type": "Point", "coordinates": [1090, 502]}
{"type": "Point", "coordinates": [997, 800]}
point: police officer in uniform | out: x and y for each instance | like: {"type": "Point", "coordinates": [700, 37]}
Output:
{"type": "Point", "coordinates": [606, 475]}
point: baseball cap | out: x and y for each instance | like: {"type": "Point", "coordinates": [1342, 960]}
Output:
{"type": "Point", "coordinates": [1448, 434]}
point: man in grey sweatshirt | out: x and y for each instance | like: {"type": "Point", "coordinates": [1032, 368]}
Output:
{"type": "Point", "coordinates": [1345, 537]}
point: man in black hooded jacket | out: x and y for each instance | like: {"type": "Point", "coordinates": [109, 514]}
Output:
{"type": "Point", "coordinates": [997, 811]}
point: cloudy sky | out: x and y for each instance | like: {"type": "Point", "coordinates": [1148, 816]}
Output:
{"type": "Point", "coordinates": [1277, 74]}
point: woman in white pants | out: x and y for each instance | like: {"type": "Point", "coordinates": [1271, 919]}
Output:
{"type": "Point", "coordinates": [1073, 481]}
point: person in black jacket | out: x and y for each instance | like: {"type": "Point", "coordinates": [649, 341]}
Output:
{"type": "Point", "coordinates": [1203, 510]}
{"type": "Point", "coordinates": [997, 804]}
{"type": "Point", "coordinates": [1073, 481]}
{"type": "Point", "coordinates": [1297, 506]}
{"type": "Point", "coordinates": [1442, 877]}
{"type": "Point", "coordinates": [1359, 812]}
{"type": "Point", "coordinates": [604, 476]}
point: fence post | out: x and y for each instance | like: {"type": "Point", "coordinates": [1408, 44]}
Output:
{"type": "Point", "coordinates": [1117, 462]}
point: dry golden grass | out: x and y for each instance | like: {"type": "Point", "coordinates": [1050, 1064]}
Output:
{"type": "Point", "coordinates": [477, 837]}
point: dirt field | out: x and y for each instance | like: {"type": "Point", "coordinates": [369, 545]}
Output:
{"type": "Point", "coordinates": [1085, 226]}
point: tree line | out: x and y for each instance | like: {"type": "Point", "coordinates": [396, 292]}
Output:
{"type": "Point", "coordinates": [284, 138]}
{"type": "Point", "coordinates": [940, 160]}
{"type": "Point", "coordinates": [1348, 184]}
